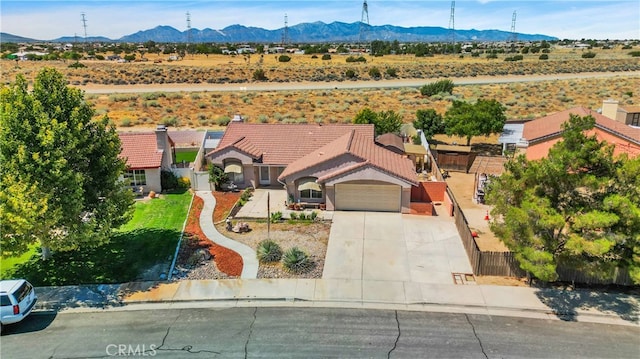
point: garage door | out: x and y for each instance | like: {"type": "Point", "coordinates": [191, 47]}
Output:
{"type": "Point", "coordinates": [361, 197]}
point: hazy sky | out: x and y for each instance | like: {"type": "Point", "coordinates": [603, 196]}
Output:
{"type": "Point", "coordinates": [45, 20]}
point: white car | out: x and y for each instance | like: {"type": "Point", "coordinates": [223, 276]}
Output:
{"type": "Point", "coordinates": [17, 299]}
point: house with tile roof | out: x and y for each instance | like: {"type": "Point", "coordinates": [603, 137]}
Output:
{"type": "Point", "coordinates": [147, 154]}
{"type": "Point", "coordinates": [541, 134]}
{"type": "Point", "coordinates": [629, 115]}
{"type": "Point", "coordinates": [338, 166]}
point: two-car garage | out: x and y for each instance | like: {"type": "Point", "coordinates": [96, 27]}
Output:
{"type": "Point", "coordinates": [368, 197]}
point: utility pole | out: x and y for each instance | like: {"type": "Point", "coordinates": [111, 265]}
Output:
{"type": "Point", "coordinates": [514, 34]}
{"type": "Point", "coordinates": [452, 26]}
{"type": "Point", "coordinates": [188, 32]}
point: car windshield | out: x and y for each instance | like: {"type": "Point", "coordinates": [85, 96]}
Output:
{"type": "Point", "coordinates": [23, 291]}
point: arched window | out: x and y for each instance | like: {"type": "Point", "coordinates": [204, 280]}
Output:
{"type": "Point", "coordinates": [234, 171]}
{"type": "Point", "coordinates": [309, 188]}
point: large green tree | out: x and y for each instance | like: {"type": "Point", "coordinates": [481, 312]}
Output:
{"type": "Point", "coordinates": [60, 183]}
{"type": "Point", "coordinates": [578, 208]}
{"type": "Point", "coordinates": [429, 122]}
{"type": "Point", "coordinates": [483, 118]}
{"type": "Point", "coordinates": [384, 121]}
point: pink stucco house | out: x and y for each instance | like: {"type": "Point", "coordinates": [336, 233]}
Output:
{"type": "Point", "coordinates": [541, 134]}
{"type": "Point", "coordinates": [338, 166]}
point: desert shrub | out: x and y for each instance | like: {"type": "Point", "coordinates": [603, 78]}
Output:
{"type": "Point", "coordinates": [296, 261]}
{"type": "Point", "coordinates": [99, 57]}
{"type": "Point", "coordinates": [76, 65]}
{"type": "Point", "coordinates": [588, 55]}
{"type": "Point", "coordinates": [170, 121]}
{"type": "Point", "coordinates": [627, 47]}
{"type": "Point", "coordinates": [259, 75]}
{"type": "Point", "coordinates": [475, 54]}
{"type": "Point", "coordinates": [314, 56]}
{"type": "Point", "coordinates": [263, 118]}
{"type": "Point", "coordinates": [326, 57]}
{"type": "Point", "coordinates": [514, 58]}
{"type": "Point", "coordinates": [492, 56]}
{"type": "Point", "coordinates": [268, 251]}
{"type": "Point", "coordinates": [284, 58]}
{"type": "Point", "coordinates": [375, 73]}
{"type": "Point", "coordinates": [392, 72]}
{"type": "Point", "coordinates": [635, 53]}
{"type": "Point", "coordinates": [356, 59]}
{"type": "Point", "coordinates": [442, 86]}
{"type": "Point", "coordinates": [276, 217]}
{"type": "Point", "coordinates": [223, 120]}
{"type": "Point", "coordinates": [174, 96]}
{"type": "Point", "coordinates": [152, 95]}
{"type": "Point", "coordinates": [126, 122]}
{"type": "Point", "coordinates": [195, 96]}
{"type": "Point", "coordinates": [543, 57]}
{"type": "Point", "coordinates": [350, 74]}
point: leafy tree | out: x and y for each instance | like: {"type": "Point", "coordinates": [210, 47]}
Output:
{"type": "Point", "coordinates": [429, 122]}
{"type": "Point", "coordinates": [60, 181]}
{"type": "Point", "coordinates": [437, 87]}
{"type": "Point", "coordinates": [365, 116]}
{"type": "Point", "coordinates": [383, 122]}
{"type": "Point", "coordinates": [464, 119]}
{"type": "Point", "coordinates": [217, 176]}
{"type": "Point", "coordinates": [579, 207]}
{"type": "Point", "coordinates": [388, 122]}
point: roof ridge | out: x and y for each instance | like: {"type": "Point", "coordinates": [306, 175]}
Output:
{"type": "Point", "coordinates": [351, 134]}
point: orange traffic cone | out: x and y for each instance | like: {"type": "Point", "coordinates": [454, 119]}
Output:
{"type": "Point", "coordinates": [486, 216]}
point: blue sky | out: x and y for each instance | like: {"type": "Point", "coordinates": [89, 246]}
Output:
{"type": "Point", "coordinates": [114, 19]}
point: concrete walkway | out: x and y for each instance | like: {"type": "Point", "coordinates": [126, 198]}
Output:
{"type": "Point", "coordinates": [250, 262]}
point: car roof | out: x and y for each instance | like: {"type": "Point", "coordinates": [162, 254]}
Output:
{"type": "Point", "coordinates": [7, 285]}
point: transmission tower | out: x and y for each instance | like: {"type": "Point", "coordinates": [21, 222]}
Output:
{"type": "Point", "coordinates": [364, 24]}
{"type": "Point", "coordinates": [285, 32]}
{"type": "Point", "coordinates": [84, 25]}
{"type": "Point", "coordinates": [514, 34]}
{"type": "Point", "coordinates": [452, 26]}
{"type": "Point", "coordinates": [188, 31]}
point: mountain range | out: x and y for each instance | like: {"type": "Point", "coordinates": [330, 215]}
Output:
{"type": "Point", "coordinates": [316, 32]}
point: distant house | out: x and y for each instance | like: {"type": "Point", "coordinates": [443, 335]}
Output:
{"type": "Point", "coordinates": [541, 134]}
{"type": "Point", "coordinates": [337, 166]}
{"type": "Point", "coordinates": [147, 154]}
{"type": "Point", "coordinates": [629, 115]}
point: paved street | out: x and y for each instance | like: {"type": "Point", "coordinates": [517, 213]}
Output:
{"type": "Point", "coordinates": [310, 332]}
{"type": "Point", "coordinates": [378, 246]}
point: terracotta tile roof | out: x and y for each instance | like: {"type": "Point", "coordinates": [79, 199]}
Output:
{"type": "Point", "coordinates": [364, 149]}
{"type": "Point", "coordinates": [552, 125]}
{"type": "Point", "coordinates": [187, 138]}
{"type": "Point", "coordinates": [281, 144]}
{"type": "Point", "coordinates": [140, 150]}
{"type": "Point", "coordinates": [391, 140]}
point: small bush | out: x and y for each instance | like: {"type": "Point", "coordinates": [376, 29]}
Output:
{"type": "Point", "coordinates": [184, 183]}
{"type": "Point", "coordinates": [293, 215]}
{"type": "Point", "coordinates": [326, 57]}
{"type": "Point", "coordinates": [276, 217]}
{"type": "Point", "coordinates": [284, 58]}
{"type": "Point", "coordinates": [302, 216]}
{"type": "Point", "coordinates": [259, 75]}
{"type": "Point", "coordinates": [223, 120]}
{"type": "Point", "coordinates": [314, 56]}
{"type": "Point", "coordinates": [492, 56]}
{"type": "Point", "coordinates": [170, 121]}
{"type": "Point", "coordinates": [356, 59]}
{"type": "Point", "coordinates": [392, 72]}
{"type": "Point", "coordinates": [168, 180]}
{"type": "Point", "coordinates": [77, 65]}
{"type": "Point", "coordinates": [313, 215]}
{"type": "Point", "coordinates": [375, 73]}
{"type": "Point", "coordinates": [126, 122]}
{"type": "Point", "coordinates": [514, 58]}
{"type": "Point", "coordinates": [268, 251]}
{"type": "Point", "coordinates": [350, 74]}
{"type": "Point", "coordinates": [588, 55]}
{"type": "Point", "coordinates": [296, 261]}
{"type": "Point", "coordinates": [635, 53]}
{"type": "Point", "coordinates": [434, 88]}
{"type": "Point", "coordinates": [543, 57]}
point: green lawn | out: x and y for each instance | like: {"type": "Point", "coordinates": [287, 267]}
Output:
{"type": "Point", "coordinates": [149, 238]}
{"type": "Point", "coordinates": [186, 156]}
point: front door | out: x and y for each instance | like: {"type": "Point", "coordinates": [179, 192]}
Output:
{"type": "Point", "coordinates": [264, 175]}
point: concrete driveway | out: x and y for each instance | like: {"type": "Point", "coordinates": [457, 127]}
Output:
{"type": "Point", "coordinates": [394, 247]}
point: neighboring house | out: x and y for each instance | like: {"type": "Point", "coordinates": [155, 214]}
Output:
{"type": "Point", "coordinates": [541, 134]}
{"type": "Point", "coordinates": [147, 154]}
{"type": "Point", "coordinates": [629, 115]}
{"type": "Point", "coordinates": [339, 166]}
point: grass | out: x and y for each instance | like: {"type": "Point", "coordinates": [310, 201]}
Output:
{"type": "Point", "coordinates": [189, 156]}
{"type": "Point", "coordinates": [148, 239]}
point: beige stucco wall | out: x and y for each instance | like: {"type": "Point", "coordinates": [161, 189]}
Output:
{"type": "Point", "coordinates": [153, 180]}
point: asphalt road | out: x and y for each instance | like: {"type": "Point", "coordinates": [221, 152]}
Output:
{"type": "Point", "coordinates": [297, 86]}
{"type": "Point", "coordinates": [309, 333]}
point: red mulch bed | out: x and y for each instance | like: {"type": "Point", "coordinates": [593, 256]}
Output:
{"type": "Point", "coordinates": [227, 260]}
{"type": "Point", "coordinates": [224, 203]}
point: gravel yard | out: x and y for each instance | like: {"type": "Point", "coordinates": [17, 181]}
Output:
{"type": "Point", "coordinates": [312, 238]}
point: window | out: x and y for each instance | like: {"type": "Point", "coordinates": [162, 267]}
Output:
{"type": "Point", "coordinates": [136, 177]}
{"type": "Point", "coordinates": [4, 300]}
{"type": "Point", "coordinates": [635, 119]}
{"type": "Point", "coordinates": [310, 193]}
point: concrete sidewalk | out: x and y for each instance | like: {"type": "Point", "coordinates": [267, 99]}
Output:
{"type": "Point", "coordinates": [544, 303]}
{"type": "Point", "coordinates": [249, 259]}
